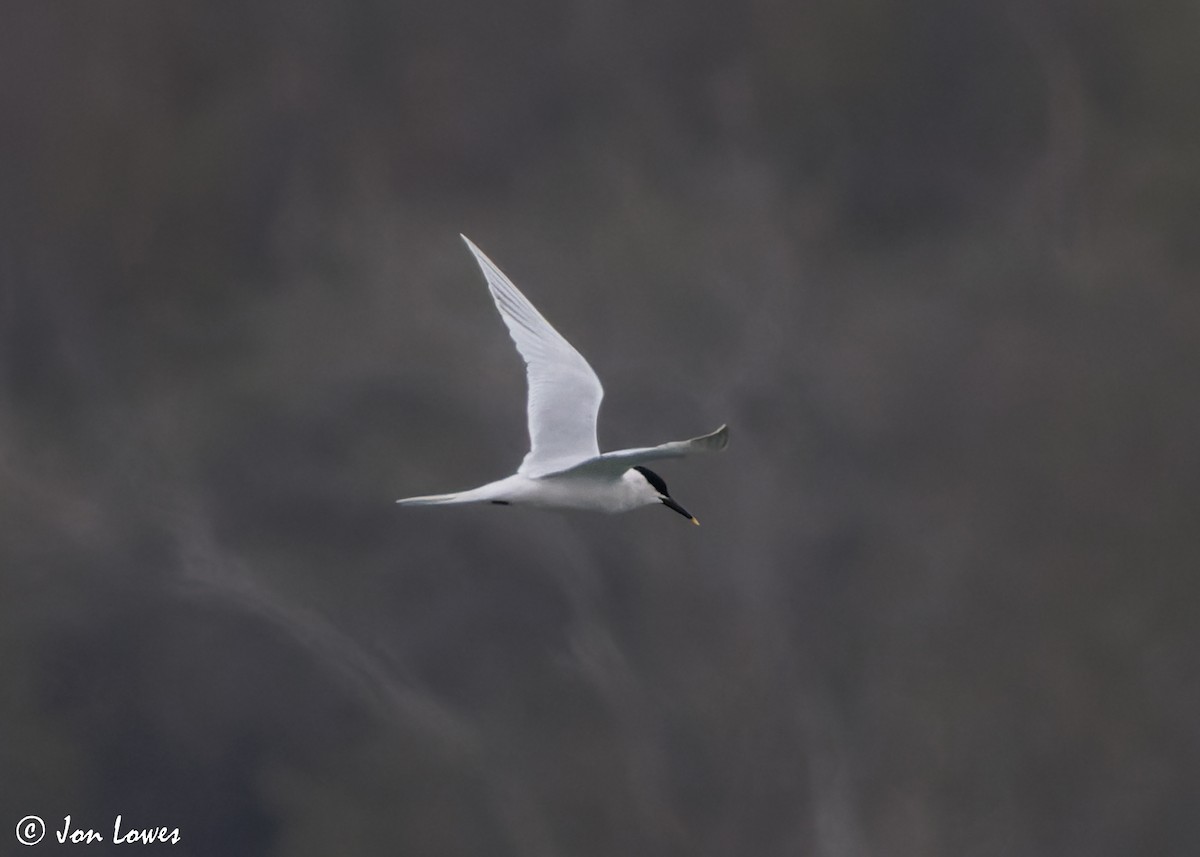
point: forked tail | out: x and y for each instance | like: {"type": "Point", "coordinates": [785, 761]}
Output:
{"type": "Point", "coordinates": [482, 494]}
{"type": "Point", "coordinates": [438, 499]}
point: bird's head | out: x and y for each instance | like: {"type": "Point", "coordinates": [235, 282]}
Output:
{"type": "Point", "coordinates": [658, 486]}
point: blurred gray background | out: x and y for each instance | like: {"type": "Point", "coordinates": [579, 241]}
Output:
{"type": "Point", "coordinates": [935, 263]}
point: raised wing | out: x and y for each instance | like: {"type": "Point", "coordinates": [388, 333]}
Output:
{"type": "Point", "coordinates": [564, 392]}
{"type": "Point", "coordinates": [616, 463]}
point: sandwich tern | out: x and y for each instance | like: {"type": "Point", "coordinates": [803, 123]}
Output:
{"type": "Point", "coordinates": [564, 468]}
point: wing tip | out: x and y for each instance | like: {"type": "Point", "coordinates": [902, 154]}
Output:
{"type": "Point", "coordinates": [475, 251]}
{"type": "Point", "coordinates": [489, 268]}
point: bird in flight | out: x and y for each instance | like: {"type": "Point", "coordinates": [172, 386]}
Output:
{"type": "Point", "coordinates": [564, 468]}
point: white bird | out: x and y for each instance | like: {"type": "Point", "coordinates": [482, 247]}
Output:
{"type": "Point", "coordinates": [564, 468]}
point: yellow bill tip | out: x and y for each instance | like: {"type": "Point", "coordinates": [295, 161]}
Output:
{"type": "Point", "coordinates": [694, 521]}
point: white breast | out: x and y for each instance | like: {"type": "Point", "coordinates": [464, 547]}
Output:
{"type": "Point", "coordinates": [631, 491]}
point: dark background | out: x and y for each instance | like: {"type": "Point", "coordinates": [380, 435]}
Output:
{"type": "Point", "coordinates": [935, 263]}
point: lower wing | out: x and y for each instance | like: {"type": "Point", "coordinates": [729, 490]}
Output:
{"type": "Point", "coordinates": [621, 460]}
